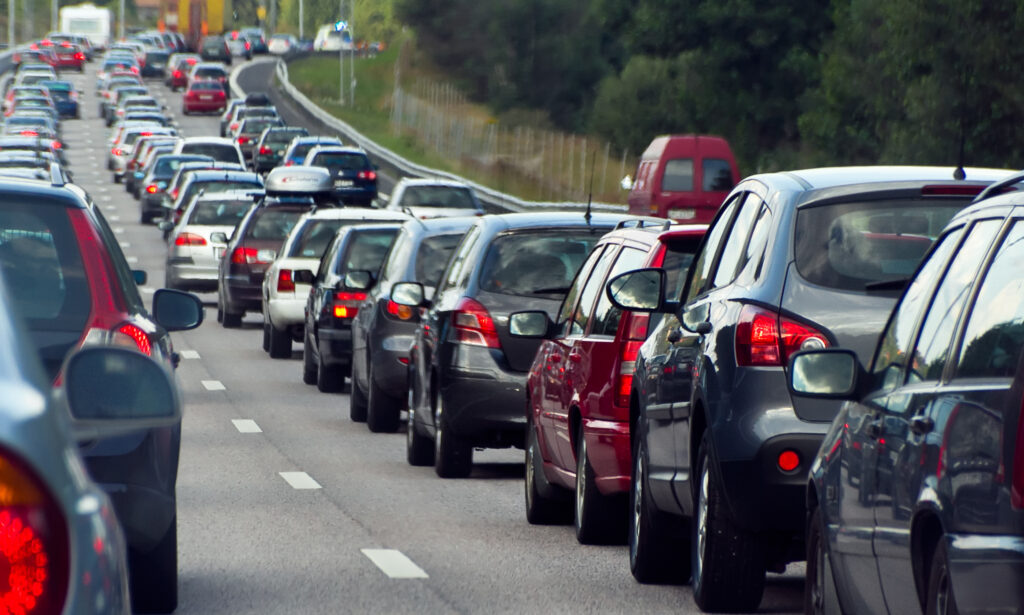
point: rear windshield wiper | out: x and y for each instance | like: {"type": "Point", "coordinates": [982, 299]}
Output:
{"type": "Point", "coordinates": [898, 284]}
{"type": "Point", "coordinates": [548, 291]}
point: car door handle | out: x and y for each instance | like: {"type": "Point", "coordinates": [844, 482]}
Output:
{"type": "Point", "coordinates": [874, 429]}
{"type": "Point", "coordinates": [921, 424]}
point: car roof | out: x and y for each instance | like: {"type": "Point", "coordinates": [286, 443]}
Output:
{"type": "Point", "coordinates": [834, 177]}
{"type": "Point", "coordinates": [431, 181]}
{"type": "Point", "coordinates": [228, 195]}
{"type": "Point", "coordinates": [549, 219]}
{"type": "Point", "coordinates": [356, 213]}
{"type": "Point", "coordinates": [649, 231]}
{"type": "Point", "coordinates": [208, 141]}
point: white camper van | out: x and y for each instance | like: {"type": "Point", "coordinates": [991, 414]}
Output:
{"type": "Point", "coordinates": [89, 20]}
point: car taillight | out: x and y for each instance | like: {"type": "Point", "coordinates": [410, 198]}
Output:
{"type": "Point", "coordinates": [242, 140]}
{"type": "Point", "coordinates": [233, 127]}
{"type": "Point", "coordinates": [34, 547]}
{"type": "Point", "coordinates": [116, 151]}
{"type": "Point", "coordinates": [189, 239]}
{"type": "Point", "coordinates": [636, 333]}
{"type": "Point", "coordinates": [252, 256]}
{"type": "Point", "coordinates": [285, 283]}
{"type": "Point", "coordinates": [80, 56]}
{"type": "Point", "coordinates": [472, 325]}
{"type": "Point", "coordinates": [265, 150]}
{"type": "Point", "coordinates": [138, 336]}
{"type": "Point", "coordinates": [152, 188]}
{"type": "Point", "coordinates": [29, 133]}
{"type": "Point", "coordinates": [760, 343]}
{"type": "Point", "coordinates": [247, 46]}
{"type": "Point", "coordinates": [57, 145]}
{"type": "Point", "coordinates": [346, 304]}
{"type": "Point", "coordinates": [399, 311]}
{"type": "Point", "coordinates": [176, 74]}
{"type": "Point", "coordinates": [289, 163]}
{"type": "Point", "coordinates": [370, 175]}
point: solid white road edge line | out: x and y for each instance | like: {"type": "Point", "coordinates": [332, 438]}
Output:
{"type": "Point", "coordinates": [246, 426]}
{"type": "Point", "coordinates": [214, 385]}
{"type": "Point", "coordinates": [299, 480]}
{"type": "Point", "coordinates": [395, 564]}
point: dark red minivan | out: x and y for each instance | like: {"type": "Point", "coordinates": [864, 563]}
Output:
{"type": "Point", "coordinates": [580, 381]}
{"type": "Point", "coordinates": [683, 178]}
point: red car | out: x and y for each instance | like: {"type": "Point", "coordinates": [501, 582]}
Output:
{"type": "Point", "coordinates": [178, 77]}
{"type": "Point", "coordinates": [69, 55]}
{"type": "Point", "coordinates": [579, 384]}
{"type": "Point", "coordinates": [204, 97]}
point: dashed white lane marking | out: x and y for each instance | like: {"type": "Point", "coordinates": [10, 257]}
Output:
{"type": "Point", "coordinates": [188, 354]}
{"type": "Point", "coordinates": [124, 244]}
{"type": "Point", "coordinates": [395, 564]}
{"type": "Point", "coordinates": [110, 207]}
{"type": "Point", "coordinates": [299, 480]}
{"type": "Point", "coordinates": [147, 290]}
{"type": "Point", "coordinates": [247, 426]}
{"type": "Point", "coordinates": [132, 259]}
{"type": "Point", "coordinates": [118, 230]}
{"type": "Point", "coordinates": [115, 218]}
{"type": "Point", "coordinates": [214, 385]}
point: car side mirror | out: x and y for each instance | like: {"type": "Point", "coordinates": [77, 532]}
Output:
{"type": "Point", "coordinates": [140, 276]}
{"type": "Point", "coordinates": [303, 276]}
{"type": "Point", "coordinates": [218, 237]}
{"type": "Point", "coordinates": [109, 389]}
{"type": "Point", "coordinates": [408, 293]}
{"type": "Point", "coordinates": [359, 280]}
{"type": "Point", "coordinates": [165, 225]}
{"type": "Point", "coordinates": [175, 310]}
{"type": "Point", "coordinates": [641, 290]}
{"type": "Point", "coordinates": [827, 374]}
{"type": "Point", "coordinates": [529, 324]}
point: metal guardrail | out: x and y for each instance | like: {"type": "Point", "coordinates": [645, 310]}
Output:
{"type": "Point", "coordinates": [407, 167]}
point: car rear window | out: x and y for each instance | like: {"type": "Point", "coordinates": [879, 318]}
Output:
{"type": "Point", "coordinates": [217, 151]}
{"type": "Point", "coordinates": [219, 213]}
{"type": "Point", "coordinates": [282, 136]}
{"type": "Point", "coordinates": [848, 246]}
{"type": "Point", "coordinates": [678, 176]}
{"type": "Point", "coordinates": [42, 266]}
{"type": "Point", "coordinates": [210, 73]}
{"type": "Point", "coordinates": [438, 196]}
{"type": "Point", "coordinates": [433, 255]}
{"type": "Point", "coordinates": [272, 223]}
{"type": "Point", "coordinates": [168, 166]}
{"type": "Point", "coordinates": [207, 86]}
{"type": "Point", "coordinates": [216, 186]}
{"type": "Point", "coordinates": [300, 150]}
{"type": "Point", "coordinates": [257, 125]}
{"type": "Point", "coordinates": [717, 175]}
{"type": "Point", "coordinates": [315, 237]}
{"type": "Point", "coordinates": [535, 263]}
{"type": "Point", "coordinates": [366, 251]}
{"type": "Point", "coordinates": [342, 162]}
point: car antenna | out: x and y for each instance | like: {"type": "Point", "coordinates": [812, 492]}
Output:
{"type": "Point", "coordinates": [590, 194]}
{"type": "Point", "coordinates": [408, 211]}
{"type": "Point", "coordinates": [960, 174]}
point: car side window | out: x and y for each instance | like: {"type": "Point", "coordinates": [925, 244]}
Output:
{"type": "Point", "coordinates": [591, 291]}
{"type": "Point", "coordinates": [606, 316]}
{"type": "Point", "coordinates": [752, 259]}
{"type": "Point", "coordinates": [701, 270]}
{"type": "Point", "coordinates": [994, 336]}
{"type": "Point", "coordinates": [327, 260]}
{"type": "Point", "coordinates": [128, 288]}
{"type": "Point", "coordinates": [897, 338]}
{"type": "Point", "coordinates": [569, 303]}
{"type": "Point", "coordinates": [929, 357]}
{"type": "Point", "coordinates": [451, 277]}
{"type": "Point", "coordinates": [733, 251]}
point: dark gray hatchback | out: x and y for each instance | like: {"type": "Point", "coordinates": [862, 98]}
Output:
{"type": "Point", "coordinates": [793, 261]}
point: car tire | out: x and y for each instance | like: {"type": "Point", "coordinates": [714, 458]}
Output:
{"type": "Point", "coordinates": [153, 576]}
{"type": "Point", "coordinates": [231, 320]}
{"type": "Point", "coordinates": [220, 314]}
{"type": "Point", "coordinates": [266, 336]}
{"type": "Point", "coordinates": [309, 365]}
{"type": "Point", "coordinates": [329, 378]}
{"type": "Point", "coordinates": [117, 178]}
{"type": "Point", "coordinates": [941, 600]}
{"type": "Point", "coordinates": [598, 519]}
{"type": "Point", "coordinates": [383, 412]}
{"type": "Point", "coordinates": [279, 343]}
{"type": "Point", "coordinates": [659, 545]}
{"type": "Point", "coordinates": [419, 450]}
{"type": "Point", "coordinates": [820, 597]}
{"type": "Point", "coordinates": [357, 404]}
{"type": "Point", "coordinates": [143, 218]}
{"type": "Point", "coordinates": [453, 458]}
{"type": "Point", "coordinates": [728, 563]}
{"type": "Point", "coordinates": [543, 507]}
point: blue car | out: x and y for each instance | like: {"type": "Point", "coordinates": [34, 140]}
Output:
{"type": "Point", "coordinates": [65, 97]}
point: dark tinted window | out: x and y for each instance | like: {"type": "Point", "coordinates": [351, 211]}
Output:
{"type": "Point", "coordinates": [702, 268]}
{"type": "Point", "coordinates": [283, 136]}
{"type": "Point", "coordinates": [342, 162]}
{"type": "Point", "coordinates": [589, 294]}
{"type": "Point", "coordinates": [272, 223]}
{"type": "Point", "coordinates": [679, 254]}
{"type": "Point", "coordinates": [207, 86]}
{"type": "Point", "coordinates": [607, 316]}
{"type": "Point", "coordinates": [398, 257]}
{"type": "Point", "coordinates": [733, 252]}
{"type": "Point", "coordinates": [219, 152]}
{"type": "Point", "coordinates": [849, 245]}
{"type": "Point", "coordinates": [454, 270]}
{"type": "Point", "coordinates": [749, 267]}
{"type": "Point", "coordinates": [315, 237]}
{"type": "Point", "coordinates": [437, 196]}
{"type": "Point", "coordinates": [167, 166]}
{"type": "Point", "coordinates": [432, 256]}
{"type": "Point", "coordinates": [717, 175]}
{"type": "Point", "coordinates": [678, 176]}
{"type": "Point", "coordinates": [300, 150]}
{"type": "Point", "coordinates": [42, 266]}
{"type": "Point", "coordinates": [366, 251]}
{"type": "Point", "coordinates": [215, 186]}
{"type": "Point", "coordinates": [569, 303]}
{"type": "Point", "coordinates": [210, 73]}
{"type": "Point", "coordinates": [219, 213]}
{"type": "Point", "coordinates": [258, 125]}
{"type": "Point", "coordinates": [535, 263]}
{"type": "Point", "coordinates": [156, 56]}
{"type": "Point", "coordinates": [994, 335]}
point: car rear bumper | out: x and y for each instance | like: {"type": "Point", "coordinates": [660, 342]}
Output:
{"type": "Point", "coordinates": [203, 106]}
{"type": "Point", "coordinates": [391, 363]}
{"type": "Point", "coordinates": [243, 296]}
{"type": "Point", "coordinates": [987, 572]}
{"type": "Point", "coordinates": [610, 453]}
{"type": "Point", "coordinates": [285, 312]}
{"type": "Point", "coordinates": [484, 403]}
{"type": "Point", "coordinates": [335, 345]}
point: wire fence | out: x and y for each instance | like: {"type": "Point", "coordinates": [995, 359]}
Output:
{"type": "Point", "coordinates": [541, 164]}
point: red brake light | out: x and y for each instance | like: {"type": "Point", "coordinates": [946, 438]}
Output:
{"type": "Point", "coordinates": [34, 549]}
{"type": "Point", "coordinates": [265, 150]}
{"type": "Point", "coordinates": [29, 133]}
{"type": "Point", "coordinates": [635, 334]}
{"type": "Point", "coordinates": [472, 325]}
{"type": "Point", "coordinates": [152, 189]}
{"type": "Point", "coordinates": [233, 127]}
{"type": "Point", "coordinates": [951, 190]}
{"type": "Point", "coordinates": [188, 239]}
{"type": "Point", "coordinates": [371, 175]}
{"type": "Point", "coordinates": [759, 343]}
{"type": "Point", "coordinates": [176, 74]}
{"type": "Point", "coordinates": [116, 151]}
{"type": "Point", "coordinates": [138, 336]}
{"type": "Point", "coordinates": [401, 312]}
{"type": "Point", "coordinates": [346, 303]}
{"type": "Point", "coordinates": [247, 45]}
{"type": "Point", "coordinates": [242, 140]}
{"type": "Point", "coordinates": [285, 283]}
{"type": "Point", "coordinates": [788, 460]}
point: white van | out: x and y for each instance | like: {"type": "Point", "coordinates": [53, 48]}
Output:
{"type": "Point", "coordinates": [329, 39]}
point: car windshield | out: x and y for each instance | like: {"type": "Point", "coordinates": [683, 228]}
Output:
{"type": "Point", "coordinates": [849, 246]}
{"type": "Point", "coordinates": [218, 213]}
{"type": "Point", "coordinates": [437, 196]}
{"type": "Point", "coordinates": [535, 263]}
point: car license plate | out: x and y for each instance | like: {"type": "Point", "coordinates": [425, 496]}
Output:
{"type": "Point", "coordinates": [205, 97]}
{"type": "Point", "coordinates": [343, 183]}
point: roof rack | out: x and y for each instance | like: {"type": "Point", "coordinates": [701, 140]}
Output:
{"type": "Point", "coordinates": [997, 187]}
{"type": "Point", "coordinates": [640, 223]}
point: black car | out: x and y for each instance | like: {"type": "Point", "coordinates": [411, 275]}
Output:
{"type": "Point", "coordinates": [467, 373]}
{"type": "Point", "coordinates": [347, 269]}
{"type": "Point", "coordinates": [931, 515]}
{"type": "Point", "coordinates": [156, 62]}
{"type": "Point", "coordinates": [793, 261]}
{"type": "Point", "coordinates": [270, 147]}
{"type": "Point", "coordinates": [382, 330]}
{"type": "Point", "coordinates": [215, 49]}
{"type": "Point", "coordinates": [355, 177]}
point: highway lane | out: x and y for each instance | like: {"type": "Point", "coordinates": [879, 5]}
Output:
{"type": "Point", "coordinates": [250, 541]}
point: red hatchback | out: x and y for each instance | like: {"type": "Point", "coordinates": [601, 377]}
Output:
{"type": "Point", "coordinates": [69, 55]}
{"type": "Point", "coordinates": [204, 97]}
{"type": "Point", "coordinates": [178, 78]}
{"type": "Point", "coordinates": [578, 438]}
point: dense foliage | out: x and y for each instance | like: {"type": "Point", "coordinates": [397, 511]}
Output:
{"type": "Point", "coordinates": [788, 82]}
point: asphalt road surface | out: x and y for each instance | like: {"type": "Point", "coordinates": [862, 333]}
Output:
{"type": "Point", "coordinates": [283, 502]}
